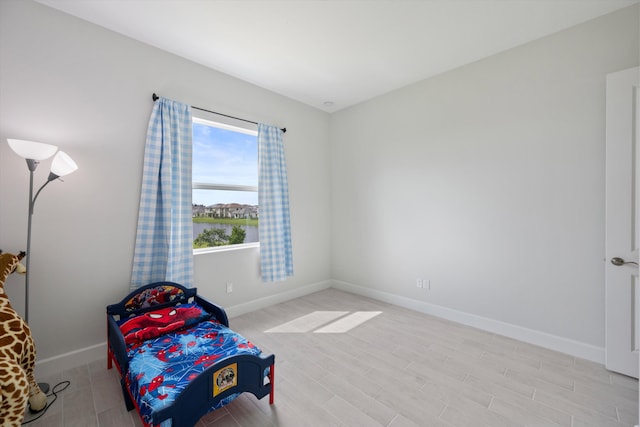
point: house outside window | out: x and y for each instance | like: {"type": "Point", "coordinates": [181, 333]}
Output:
{"type": "Point", "coordinates": [225, 186]}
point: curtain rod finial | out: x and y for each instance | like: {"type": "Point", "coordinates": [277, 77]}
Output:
{"type": "Point", "coordinates": [154, 97]}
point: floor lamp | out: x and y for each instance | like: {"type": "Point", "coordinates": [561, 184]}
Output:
{"type": "Point", "coordinates": [61, 165]}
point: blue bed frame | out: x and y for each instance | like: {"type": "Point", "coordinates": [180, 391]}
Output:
{"type": "Point", "coordinates": [198, 397]}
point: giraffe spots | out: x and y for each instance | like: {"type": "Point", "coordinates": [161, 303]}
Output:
{"type": "Point", "coordinates": [18, 326]}
{"type": "Point", "coordinates": [18, 347]}
{"type": "Point", "coordinates": [6, 316]}
{"type": "Point", "coordinates": [20, 336]}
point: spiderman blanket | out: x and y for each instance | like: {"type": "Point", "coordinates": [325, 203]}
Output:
{"type": "Point", "coordinates": [167, 348]}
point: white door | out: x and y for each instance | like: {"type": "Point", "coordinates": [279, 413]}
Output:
{"type": "Point", "coordinates": [622, 225]}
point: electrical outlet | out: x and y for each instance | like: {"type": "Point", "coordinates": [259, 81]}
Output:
{"type": "Point", "coordinates": [229, 287]}
{"type": "Point", "coordinates": [423, 283]}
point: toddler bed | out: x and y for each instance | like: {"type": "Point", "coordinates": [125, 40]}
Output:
{"type": "Point", "coordinates": [177, 357]}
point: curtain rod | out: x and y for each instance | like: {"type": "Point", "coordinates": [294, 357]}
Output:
{"type": "Point", "coordinates": [155, 98]}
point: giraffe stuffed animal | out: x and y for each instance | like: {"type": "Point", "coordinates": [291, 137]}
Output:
{"type": "Point", "coordinates": [17, 355]}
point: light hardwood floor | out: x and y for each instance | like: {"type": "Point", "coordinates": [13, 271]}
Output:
{"type": "Point", "coordinates": [399, 369]}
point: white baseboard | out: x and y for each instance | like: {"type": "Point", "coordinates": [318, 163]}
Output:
{"type": "Point", "coordinates": [56, 364]}
{"type": "Point", "coordinates": [260, 303]}
{"type": "Point", "coordinates": [531, 336]}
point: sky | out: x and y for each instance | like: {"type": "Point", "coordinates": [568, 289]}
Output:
{"type": "Point", "coordinates": [222, 156]}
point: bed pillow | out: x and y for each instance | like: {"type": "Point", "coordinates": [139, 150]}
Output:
{"type": "Point", "coordinates": [153, 324]}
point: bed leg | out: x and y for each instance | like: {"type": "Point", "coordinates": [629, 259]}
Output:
{"type": "Point", "coordinates": [271, 377]}
{"type": "Point", "coordinates": [109, 354]}
{"type": "Point", "coordinates": [128, 401]}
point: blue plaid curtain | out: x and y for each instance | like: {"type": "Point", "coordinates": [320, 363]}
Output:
{"type": "Point", "coordinates": [273, 197]}
{"type": "Point", "coordinates": [164, 240]}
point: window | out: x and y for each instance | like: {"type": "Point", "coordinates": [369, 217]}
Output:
{"type": "Point", "coordinates": [225, 185]}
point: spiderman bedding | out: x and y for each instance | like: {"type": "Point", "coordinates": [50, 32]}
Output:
{"type": "Point", "coordinates": [161, 367]}
{"type": "Point", "coordinates": [168, 348]}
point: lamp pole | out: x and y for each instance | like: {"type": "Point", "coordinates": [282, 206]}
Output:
{"type": "Point", "coordinates": [32, 165]}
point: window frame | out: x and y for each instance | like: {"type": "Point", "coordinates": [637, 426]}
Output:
{"type": "Point", "coordinates": [247, 129]}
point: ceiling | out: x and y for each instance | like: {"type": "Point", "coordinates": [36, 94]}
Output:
{"type": "Point", "coordinates": [332, 54]}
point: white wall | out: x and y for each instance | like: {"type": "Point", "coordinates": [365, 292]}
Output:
{"type": "Point", "coordinates": [67, 82]}
{"type": "Point", "coordinates": [489, 181]}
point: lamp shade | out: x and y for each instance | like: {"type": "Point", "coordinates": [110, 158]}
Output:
{"type": "Point", "coordinates": [32, 150]}
{"type": "Point", "coordinates": [62, 164]}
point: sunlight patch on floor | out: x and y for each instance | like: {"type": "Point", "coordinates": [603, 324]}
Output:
{"type": "Point", "coordinates": [325, 322]}
{"type": "Point", "coordinates": [308, 322]}
{"type": "Point", "coordinates": [347, 323]}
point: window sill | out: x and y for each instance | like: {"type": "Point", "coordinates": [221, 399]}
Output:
{"type": "Point", "coordinates": [227, 248]}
